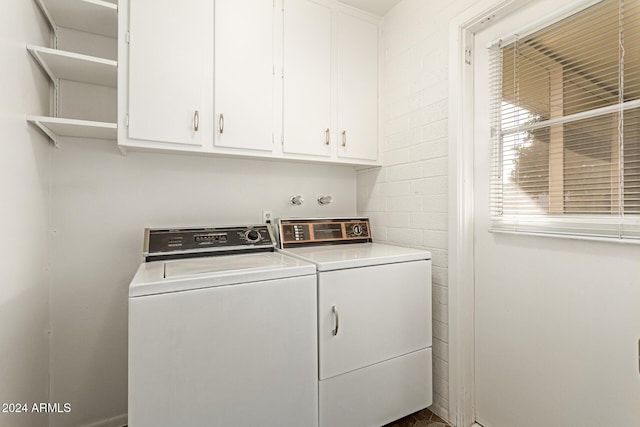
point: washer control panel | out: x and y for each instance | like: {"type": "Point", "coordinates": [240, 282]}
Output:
{"type": "Point", "coordinates": [308, 232]}
{"type": "Point", "coordinates": [167, 243]}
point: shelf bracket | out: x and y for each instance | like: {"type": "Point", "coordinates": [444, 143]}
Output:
{"type": "Point", "coordinates": [52, 136]}
{"type": "Point", "coordinates": [43, 65]}
{"type": "Point", "coordinates": [48, 17]}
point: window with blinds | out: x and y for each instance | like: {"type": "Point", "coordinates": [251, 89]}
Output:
{"type": "Point", "coordinates": [565, 104]}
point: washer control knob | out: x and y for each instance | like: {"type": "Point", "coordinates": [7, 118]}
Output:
{"type": "Point", "coordinates": [252, 236]}
{"type": "Point", "coordinates": [357, 230]}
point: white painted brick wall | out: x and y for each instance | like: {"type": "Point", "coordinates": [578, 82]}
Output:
{"type": "Point", "coordinates": [407, 199]}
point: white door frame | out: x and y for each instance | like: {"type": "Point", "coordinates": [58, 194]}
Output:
{"type": "Point", "coordinates": [461, 212]}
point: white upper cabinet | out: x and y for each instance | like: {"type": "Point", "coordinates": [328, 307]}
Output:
{"type": "Point", "coordinates": [244, 74]}
{"type": "Point", "coordinates": [357, 44]}
{"type": "Point", "coordinates": [170, 69]}
{"type": "Point", "coordinates": [282, 79]}
{"type": "Point", "coordinates": [330, 85]}
{"type": "Point", "coordinates": [307, 78]}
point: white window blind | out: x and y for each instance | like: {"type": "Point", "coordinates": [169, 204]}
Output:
{"type": "Point", "coordinates": [565, 104]}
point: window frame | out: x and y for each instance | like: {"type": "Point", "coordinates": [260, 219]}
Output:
{"type": "Point", "coordinates": [618, 226]}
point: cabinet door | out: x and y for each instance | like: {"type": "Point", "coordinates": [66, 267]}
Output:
{"type": "Point", "coordinates": [170, 65]}
{"type": "Point", "coordinates": [382, 312]}
{"type": "Point", "coordinates": [357, 44]}
{"type": "Point", "coordinates": [307, 78]}
{"type": "Point", "coordinates": [244, 74]}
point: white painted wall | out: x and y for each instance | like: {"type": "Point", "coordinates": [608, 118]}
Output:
{"type": "Point", "coordinates": [100, 203]}
{"type": "Point", "coordinates": [24, 254]}
{"type": "Point", "coordinates": [407, 198]}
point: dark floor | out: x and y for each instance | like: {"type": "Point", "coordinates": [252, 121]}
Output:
{"type": "Point", "coordinates": [424, 418]}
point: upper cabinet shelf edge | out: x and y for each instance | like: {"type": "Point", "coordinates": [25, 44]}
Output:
{"type": "Point", "coordinates": [90, 16]}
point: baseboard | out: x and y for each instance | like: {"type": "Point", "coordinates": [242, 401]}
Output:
{"type": "Point", "coordinates": [117, 421]}
{"type": "Point", "coordinates": [440, 411]}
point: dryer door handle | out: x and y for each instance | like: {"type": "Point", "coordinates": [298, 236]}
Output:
{"type": "Point", "coordinates": [334, 310]}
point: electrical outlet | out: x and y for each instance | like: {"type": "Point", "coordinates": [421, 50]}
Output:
{"type": "Point", "coordinates": [266, 217]}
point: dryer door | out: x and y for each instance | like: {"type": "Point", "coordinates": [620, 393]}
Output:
{"type": "Point", "coordinates": [381, 312]}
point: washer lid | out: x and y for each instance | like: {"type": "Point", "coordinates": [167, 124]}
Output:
{"type": "Point", "coordinates": [337, 257]}
{"type": "Point", "coordinates": [158, 277]}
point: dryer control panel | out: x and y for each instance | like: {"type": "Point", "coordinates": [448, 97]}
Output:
{"type": "Point", "coordinates": [321, 231]}
{"type": "Point", "coordinates": [170, 243]}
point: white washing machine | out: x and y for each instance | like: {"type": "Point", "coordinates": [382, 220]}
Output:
{"type": "Point", "coordinates": [374, 321]}
{"type": "Point", "coordinates": [222, 331]}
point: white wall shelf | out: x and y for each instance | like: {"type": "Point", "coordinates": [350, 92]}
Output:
{"type": "Point", "coordinates": [55, 127]}
{"type": "Point", "coordinates": [60, 64]}
{"type": "Point", "coordinates": [91, 16]}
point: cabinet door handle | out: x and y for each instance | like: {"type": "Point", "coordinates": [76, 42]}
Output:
{"type": "Point", "coordinates": [221, 123]}
{"type": "Point", "coordinates": [344, 138]}
{"type": "Point", "coordinates": [334, 310]}
{"type": "Point", "coordinates": [196, 121]}
{"type": "Point", "coordinates": [327, 136]}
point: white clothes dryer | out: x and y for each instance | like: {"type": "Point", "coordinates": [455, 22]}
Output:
{"type": "Point", "coordinates": [222, 331]}
{"type": "Point", "coordinates": [374, 321]}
